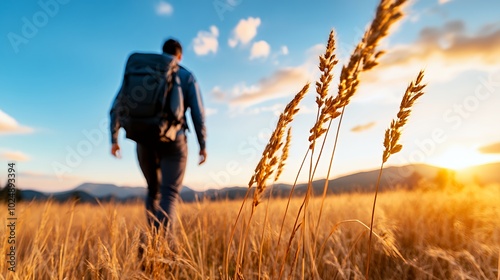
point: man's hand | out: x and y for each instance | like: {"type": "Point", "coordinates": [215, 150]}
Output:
{"type": "Point", "coordinates": [115, 150]}
{"type": "Point", "coordinates": [203, 156]}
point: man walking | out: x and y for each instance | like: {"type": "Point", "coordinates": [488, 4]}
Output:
{"type": "Point", "coordinates": [163, 163]}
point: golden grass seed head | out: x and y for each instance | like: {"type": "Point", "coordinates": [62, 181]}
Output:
{"type": "Point", "coordinates": [393, 134]}
{"type": "Point", "coordinates": [266, 166]}
{"type": "Point", "coordinates": [284, 154]}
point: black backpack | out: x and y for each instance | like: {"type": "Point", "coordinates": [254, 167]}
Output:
{"type": "Point", "coordinates": [150, 101]}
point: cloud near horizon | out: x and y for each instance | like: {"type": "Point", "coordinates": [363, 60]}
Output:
{"type": "Point", "coordinates": [206, 42]}
{"type": "Point", "coordinates": [14, 156]}
{"type": "Point", "coordinates": [363, 127]}
{"type": "Point", "coordinates": [8, 125]}
{"type": "Point", "coordinates": [30, 180]}
{"type": "Point", "coordinates": [244, 32]}
{"type": "Point", "coordinates": [490, 149]}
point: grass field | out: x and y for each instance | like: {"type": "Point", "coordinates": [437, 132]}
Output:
{"type": "Point", "coordinates": [422, 235]}
{"type": "Point", "coordinates": [428, 233]}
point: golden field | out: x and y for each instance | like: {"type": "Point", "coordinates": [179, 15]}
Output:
{"type": "Point", "coordinates": [430, 232]}
{"type": "Point", "coordinates": [421, 235]}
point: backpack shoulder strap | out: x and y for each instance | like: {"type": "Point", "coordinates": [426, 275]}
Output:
{"type": "Point", "coordinates": [171, 79]}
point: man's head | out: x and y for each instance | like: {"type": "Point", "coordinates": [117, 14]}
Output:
{"type": "Point", "coordinates": [173, 47]}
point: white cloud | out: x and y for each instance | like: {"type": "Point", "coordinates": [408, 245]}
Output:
{"type": "Point", "coordinates": [7, 122]}
{"type": "Point", "coordinates": [441, 2]}
{"type": "Point", "coordinates": [443, 52]}
{"type": "Point", "coordinates": [276, 109]}
{"type": "Point", "coordinates": [234, 3]}
{"type": "Point", "coordinates": [9, 125]}
{"type": "Point", "coordinates": [283, 82]}
{"type": "Point", "coordinates": [493, 148]}
{"type": "Point", "coordinates": [48, 182]}
{"type": "Point", "coordinates": [284, 50]}
{"type": "Point", "coordinates": [260, 49]}
{"type": "Point", "coordinates": [218, 94]}
{"type": "Point", "coordinates": [244, 32]}
{"type": "Point", "coordinates": [206, 42]}
{"type": "Point", "coordinates": [164, 8]}
{"type": "Point", "coordinates": [315, 51]}
{"type": "Point", "coordinates": [210, 111]}
{"type": "Point", "coordinates": [363, 127]}
{"type": "Point", "coordinates": [15, 156]}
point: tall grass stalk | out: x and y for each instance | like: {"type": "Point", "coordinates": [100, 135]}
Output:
{"type": "Point", "coordinates": [286, 212]}
{"type": "Point", "coordinates": [364, 58]}
{"type": "Point", "coordinates": [325, 186]}
{"type": "Point", "coordinates": [62, 255]}
{"type": "Point", "coordinates": [441, 234]}
{"type": "Point", "coordinates": [498, 268]}
{"type": "Point", "coordinates": [391, 143]}
{"type": "Point", "coordinates": [281, 165]}
{"type": "Point", "coordinates": [265, 169]}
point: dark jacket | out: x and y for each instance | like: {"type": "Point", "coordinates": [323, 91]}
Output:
{"type": "Point", "coordinates": [192, 101]}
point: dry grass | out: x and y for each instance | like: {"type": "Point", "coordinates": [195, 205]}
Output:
{"type": "Point", "coordinates": [440, 235]}
{"type": "Point", "coordinates": [391, 143]}
{"type": "Point", "coordinates": [364, 57]}
{"type": "Point", "coordinates": [393, 133]}
{"type": "Point", "coordinates": [263, 172]}
{"type": "Point", "coordinates": [270, 157]}
{"type": "Point", "coordinates": [418, 235]}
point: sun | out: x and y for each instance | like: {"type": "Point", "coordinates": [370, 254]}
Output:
{"type": "Point", "coordinates": [459, 157]}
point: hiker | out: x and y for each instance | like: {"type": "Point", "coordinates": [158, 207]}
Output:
{"type": "Point", "coordinates": [162, 162]}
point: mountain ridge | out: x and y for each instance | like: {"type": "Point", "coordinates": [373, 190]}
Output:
{"type": "Point", "coordinates": [405, 177]}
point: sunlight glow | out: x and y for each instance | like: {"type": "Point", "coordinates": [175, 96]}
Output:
{"type": "Point", "coordinates": [459, 157]}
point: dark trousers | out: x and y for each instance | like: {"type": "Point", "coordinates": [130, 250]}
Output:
{"type": "Point", "coordinates": [163, 166]}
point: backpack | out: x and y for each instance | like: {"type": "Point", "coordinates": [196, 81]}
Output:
{"type": "Point", "coordinates": [150, 102]}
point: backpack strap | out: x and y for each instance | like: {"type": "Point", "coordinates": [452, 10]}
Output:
{"type": "Point", "coordinates": [170, 77]}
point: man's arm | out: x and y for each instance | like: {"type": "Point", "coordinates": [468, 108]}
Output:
{"type": "Point", "coordinates": [195, 103]}
{"type": "Point", "coordinates": [114, 125]}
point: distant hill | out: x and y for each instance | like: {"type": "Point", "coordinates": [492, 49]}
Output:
{"type": "Point", "coordinates": [60, 196]}
{"type": "Point", "coordinates": [393, 177]}
{"type": "Point", "coordinates": [481, 174]}
{"type": "Point", "coordinates": [103, 190]}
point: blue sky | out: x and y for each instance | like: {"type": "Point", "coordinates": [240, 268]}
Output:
{"type": "Point", "coordinates": [61, 62]}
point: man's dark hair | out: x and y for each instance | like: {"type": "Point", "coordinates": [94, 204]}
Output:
{"type": "Point", "coordinates": [172, 47]}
